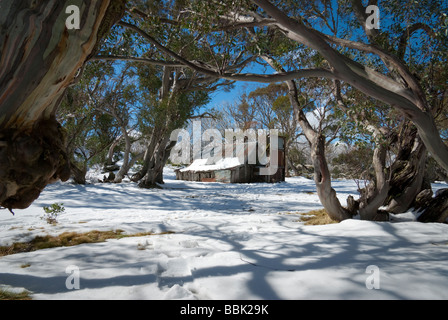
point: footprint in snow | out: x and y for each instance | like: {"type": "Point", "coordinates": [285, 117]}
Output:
{"type": "Point", "coordinates": [188, 244]}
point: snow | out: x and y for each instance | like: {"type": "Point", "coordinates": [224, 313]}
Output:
{"type": "Point", "coordinates": [229, 241]}
{"type": "Point", "coordinates": [221, 164]}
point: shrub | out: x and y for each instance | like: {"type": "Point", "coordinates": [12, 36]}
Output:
{"type": "Point", "coordinates": [52, 212]}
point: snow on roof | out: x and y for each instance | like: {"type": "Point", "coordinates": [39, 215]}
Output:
{"type": "Point", "coordinates": [222, 164]}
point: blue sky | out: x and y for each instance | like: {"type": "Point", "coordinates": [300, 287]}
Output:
{"type": "Point", "coordinates": [221, 97]}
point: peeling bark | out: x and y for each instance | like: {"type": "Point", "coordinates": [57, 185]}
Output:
{"type": "Point", "coordinates": [423, 199]}
{"type": "Point", "coordinates": [39, 59]}
{"type": "Point", "coordinates": [408, 171]}
{"type": "Point", "coordinates": [437, 209]}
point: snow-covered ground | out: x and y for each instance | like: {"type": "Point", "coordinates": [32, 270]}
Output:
{"type": "Point", "coordinates": [231, 242]}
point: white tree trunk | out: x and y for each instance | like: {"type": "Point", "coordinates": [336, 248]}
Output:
{"type": "Point", "coordinates": [410, 100]}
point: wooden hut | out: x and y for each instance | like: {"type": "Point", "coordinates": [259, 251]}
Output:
{"type": "Point", "coordinates": [233, 170]}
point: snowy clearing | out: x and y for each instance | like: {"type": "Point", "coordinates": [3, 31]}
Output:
{"type": "Point", "coordinates": [230, 242]}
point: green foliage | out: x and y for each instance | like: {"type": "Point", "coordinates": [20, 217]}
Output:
{"type": "Point", "coordinates": [95, 111]}
{"type": "Point", "coordinates": [203, 32]}
{"type": "Point", "coordinates": [52, 212]}
{"type": "Point", "coordinates": [354, 164]}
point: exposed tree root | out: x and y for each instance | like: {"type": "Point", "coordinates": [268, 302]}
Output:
{"type": "Point", "coordinates": [436, 209]}
{"type": "Point", "coordinates": [29, 161]}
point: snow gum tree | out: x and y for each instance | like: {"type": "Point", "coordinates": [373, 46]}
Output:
{"type": "Point", "coordinates": [96, 113]}
{"type": "Point", "coordinates": [215, 40]}
{"type": "Point", "coordinates": [385, 64]}
{"type": "Point", "coordinates": [39, 58]}
{"type": "Point", "coordinates": [166, 108]}
{"type": "Point", "coordinates": [169, 92]}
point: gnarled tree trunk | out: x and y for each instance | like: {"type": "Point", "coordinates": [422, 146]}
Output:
{"type": "Point", "coordinates": [436, 209]}
{"type": "Point", "coordinates": [322, 178]}
{"type": "Point", "coordinates": [39, 59]}
{"type": "Point", "coordinates": [410, 100]}
{"type": "Point", "coordinates": [408, 171]}
{"type": "Point", "coordinates": [154, 173]}
{"type": "Point", "coordinates": [376, 192]}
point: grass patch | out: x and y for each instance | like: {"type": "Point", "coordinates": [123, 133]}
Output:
{"type": "Point", "coordinates": [9, 295]}
{"type": "Point", "coordinates": [68, 239]}
{"type": "Point", "coordinates": [316, 217]}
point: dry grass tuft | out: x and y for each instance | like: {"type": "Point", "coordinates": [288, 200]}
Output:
{"type": "Point", "coordinates": [316, 217]}
{"type": "Point", "coordinates": [10, 295]}
{"type": "Point", "coordinates": [67, 239]}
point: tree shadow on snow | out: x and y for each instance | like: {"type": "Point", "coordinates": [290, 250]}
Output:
{"type": "Point", "coordinates": [327, 264]}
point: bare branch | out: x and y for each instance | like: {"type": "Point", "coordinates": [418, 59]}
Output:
{"type": "Point", "coordinates": [408, 33]}
{"type": "Point", "coordinates": [363, 78]}
{"type": "Point", "coordinates": [204, 115]}
{"type": "Point", "coordinates": [233, 26]}
{"type": "Point", "coordinates": [136, 59]}
{"type": "Point", "coordinates": [138, 13]}
{"type": "Point", "coordinates": [250, 77]}
{"type": "Point", "coordinates": [282, 76]}
{"type": "Point", "coordinates": [165, 50]}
